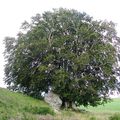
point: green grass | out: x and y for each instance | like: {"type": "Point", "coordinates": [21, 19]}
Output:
{"type": "Point", "coordinates": [16, 106]}
{"type": "Point", "coordinates": [19, 106]}
{"type": "Point", "coordinates": [110, 107]}
{"type": "Point", "coordinates": [104, 112]}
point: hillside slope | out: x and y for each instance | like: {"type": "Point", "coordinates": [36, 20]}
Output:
{"type": "Point", "coordinates": [17, 106]}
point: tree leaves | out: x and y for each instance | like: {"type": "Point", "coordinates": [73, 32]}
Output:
{"type": "Point", "coordinates": [64, 51]}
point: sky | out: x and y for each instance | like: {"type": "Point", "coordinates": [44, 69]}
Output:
{"type": "Point", "coordinates": [15, 12]}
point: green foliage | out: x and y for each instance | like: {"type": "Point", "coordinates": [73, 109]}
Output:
{"type": "Point", "coordinates": [115, 117]}
{"type": "Point", "coordinates": [64, 51]}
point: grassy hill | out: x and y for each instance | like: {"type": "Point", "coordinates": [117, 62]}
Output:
{"type": "Point", "coordinates": [19, 106]}
{"type": "Point", "coordinates": [16, 106]}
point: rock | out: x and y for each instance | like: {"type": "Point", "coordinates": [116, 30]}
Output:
{"type": "Point", "coordinates": [53, 100]}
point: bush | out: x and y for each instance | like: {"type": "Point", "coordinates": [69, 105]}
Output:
{"type": "Point", "coordinates": [115, 117]}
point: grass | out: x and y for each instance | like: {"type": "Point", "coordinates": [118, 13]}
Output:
{"type": "Point", "coordinates": [16, 106]}
{"type": "Point", "coordinates": [115, 117]}
{"type": "Point", "coordinates": [103, 112]}
{"type": "Point", "coordinates": [109, 111]}
{"type": "Point", "coordinates": [110, 107]}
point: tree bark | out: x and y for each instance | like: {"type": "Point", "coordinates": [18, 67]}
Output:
{"type": "Point", "coordinates": [63, 103]}
{"type": "Point", "coordinates": [70, 104]}
{"type": "Point", "coordinates": [66, 104]}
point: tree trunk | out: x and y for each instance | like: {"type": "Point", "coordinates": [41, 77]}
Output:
{"type": "Point", "coordinates": [63, 103]}
{"type": "Point", "coordinates": [66, 104]}
{"type": "Point", "coordinates": [70, 104]}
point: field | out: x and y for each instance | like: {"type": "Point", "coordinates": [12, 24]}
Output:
{"type": "Point", "coordinates": [111, 107]}
{"type": "Point", "coordinates": [16, 106]}
{"type": "Point", "coordinates": [104, 111]}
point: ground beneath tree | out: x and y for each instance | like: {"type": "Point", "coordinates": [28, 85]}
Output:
{"type": "Point", "coordinates": [16, 106]}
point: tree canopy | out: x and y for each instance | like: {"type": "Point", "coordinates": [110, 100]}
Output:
{"type": "Point", "coordinates": [64, 51]}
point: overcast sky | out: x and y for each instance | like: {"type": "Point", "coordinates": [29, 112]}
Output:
{"type": "Point", "coordinates": [14, 12]}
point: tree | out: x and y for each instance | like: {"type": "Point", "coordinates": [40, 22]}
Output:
{"type": "Point", "coordinates": [64, 51]}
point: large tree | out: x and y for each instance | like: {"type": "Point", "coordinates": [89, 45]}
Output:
{"type": "Point", "coordinates": [64, 51]}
